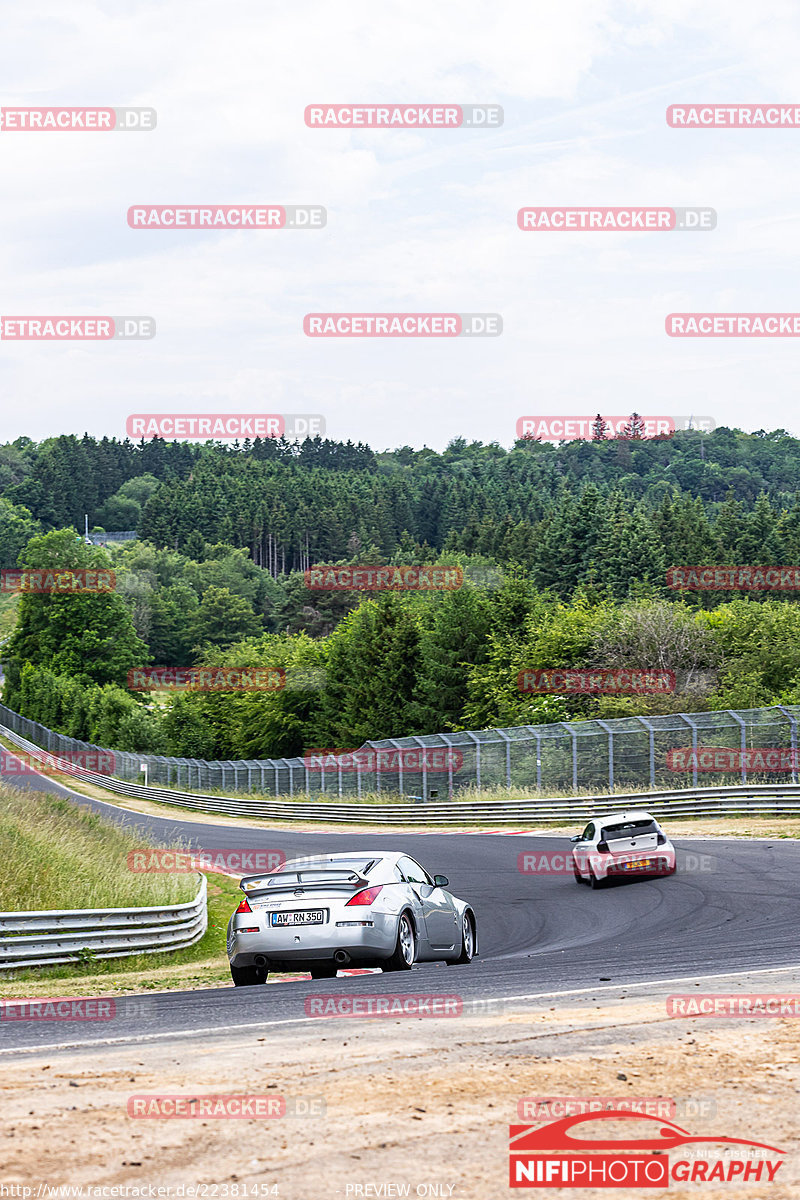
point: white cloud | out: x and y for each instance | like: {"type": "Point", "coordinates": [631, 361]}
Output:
{"type": "Point", "coordinates": [417, 221]}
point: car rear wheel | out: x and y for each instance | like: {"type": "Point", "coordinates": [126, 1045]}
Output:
{"type": "Point", "coordinates": [405, 950]}
{"type": "Point", "coordinates": [324, 971]}
{"type": "Point", "coordinates": [467, 942]}
{"type": "Point", "coordinates": [248, 976]}
{"type": "Point", "coordinates": [594, 882]}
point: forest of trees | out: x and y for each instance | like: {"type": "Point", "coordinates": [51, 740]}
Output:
{"type": "Point", "coordinates": [564, 550]}
{"type": "Point", "coordinates": [620, 508]}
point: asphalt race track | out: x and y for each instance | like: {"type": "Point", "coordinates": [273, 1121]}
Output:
{"type": "Point", "coordinates": [732, 906]}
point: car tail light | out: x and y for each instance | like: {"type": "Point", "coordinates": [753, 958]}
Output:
{"type": "Point", "coordinates": [368, 896]}
{"type": "Point", "coordinates": [661, 840]}
{"type": "Point", "coordinates": [603, 847]}
{"type": "Point", "coordinates": [244, 906]}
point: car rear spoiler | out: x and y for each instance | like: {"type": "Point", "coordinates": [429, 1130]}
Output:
{"type": "Point", "coordinates": [290, 881]}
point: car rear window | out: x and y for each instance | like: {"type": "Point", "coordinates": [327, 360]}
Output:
{"type": "Point", "coordinates": [322, 868]}
{"type": "Point", "coordinates": [630, 829]}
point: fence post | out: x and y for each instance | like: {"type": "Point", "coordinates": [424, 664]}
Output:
{"type": "Point", "coordinates": [424, 749]}
{"type": "Point", "coordinates": [793, 722]}
{"type": "Point", "coordinates": [742, 741]}
{"type": "Point", "coordinates": [538, 736]}
{"type": "Point", "coordinates": [652, 740]}
{"type": "Point", "coordinates": [693, 728]}
{"type": "Point", "coordinates": [574, 735]}
{"type": "Point", "coordinates": [610, 733]}
{"type": "Point", "coordinates": [507, 741]}
{"type": "Point", "coordinates": [477, 759]}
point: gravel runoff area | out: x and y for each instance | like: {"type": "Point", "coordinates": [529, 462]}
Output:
{"type": "Point", "coordinates": [406, 1106]}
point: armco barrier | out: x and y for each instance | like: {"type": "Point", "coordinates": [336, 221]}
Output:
{"type": "Point", "coordinates": [688, 802]}
{"type": "Point", "coordinates": [40, 939]}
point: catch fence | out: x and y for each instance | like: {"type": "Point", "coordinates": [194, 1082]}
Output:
{"type": "Point", "coordinates": [571, 757]}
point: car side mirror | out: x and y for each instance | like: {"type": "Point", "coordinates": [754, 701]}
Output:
{"type": "Point", "coordinates": [577, 838]}
{"type": "Point", "coordinates": [440, 881]}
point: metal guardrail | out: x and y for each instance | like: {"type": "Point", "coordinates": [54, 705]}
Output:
{"type": "Point", "coordinates": [39, 939]}
{"type": "Point", "coordinates": [783, 799]}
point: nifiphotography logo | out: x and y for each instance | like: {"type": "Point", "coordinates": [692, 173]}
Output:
{"type": "Point", "coordinates": [553, 1156]}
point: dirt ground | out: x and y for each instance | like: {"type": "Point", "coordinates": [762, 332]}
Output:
{"type": "Point", "coordinates": [391, 1103]}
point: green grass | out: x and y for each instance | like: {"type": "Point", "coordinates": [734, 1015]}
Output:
{"type": "Point", "coordinates": [57, 855]}
{"type": "Point", "coordinates": [203, 965]}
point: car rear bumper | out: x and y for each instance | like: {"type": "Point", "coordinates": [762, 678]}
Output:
{"type": "Point", "coordinates": [651, 862]}
{"type": "Point", "coordinates": [321, 943]}
{"type": "Point", "coordinates": [660, 861]}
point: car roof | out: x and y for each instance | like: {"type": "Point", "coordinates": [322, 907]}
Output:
{"type": "Point", "coordinates": [635, 814]}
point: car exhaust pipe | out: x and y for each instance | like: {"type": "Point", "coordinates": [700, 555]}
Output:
{"type": "Point", "coordinates": [341, 957]}
{"type": "Point", "coordinates": [260, 960]}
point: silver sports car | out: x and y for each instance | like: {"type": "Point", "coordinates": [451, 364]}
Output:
{"type": "Point", "coordinates": [334, 910]}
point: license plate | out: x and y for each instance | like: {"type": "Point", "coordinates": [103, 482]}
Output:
{"type": "Point", "coordinates": [304, 916]}
{"type": "Point", "coordinates": [637, 866]}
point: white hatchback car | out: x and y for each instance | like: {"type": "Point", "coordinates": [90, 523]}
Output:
{"type": "Point", "coordinates": [622, 844]}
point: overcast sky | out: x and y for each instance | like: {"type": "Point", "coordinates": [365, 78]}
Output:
{"type": "Point", "coordinates": [417, 221]}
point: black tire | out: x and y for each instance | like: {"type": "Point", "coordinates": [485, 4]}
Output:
{"type": "Point", "coordinates": [405, 951]}
{"type": "Point", "coordinates": [248, 976]}
{"type": "Point", "coordinates": [594, 882]}
{"type": "Point", "coordinates": [323, 971]}
{"type": "Point", "coordinates": [467, 942]}
{"type": "Point", "coordinates": [578, 877]}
